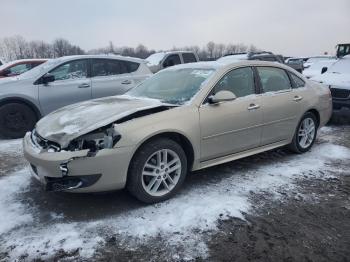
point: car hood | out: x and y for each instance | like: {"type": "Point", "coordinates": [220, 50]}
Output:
{"type": "Point", "coordinates": [334, 79]}
{"type": "Point", "coordinates": [70, 122]}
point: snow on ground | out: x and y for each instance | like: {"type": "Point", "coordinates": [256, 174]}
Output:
{"type": "Point", "coordinates": [11, 147]}
{"type": "Point", "coordinates": [179, 221]}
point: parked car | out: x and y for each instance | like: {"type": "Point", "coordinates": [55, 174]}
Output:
{"type": "Point", "coordinates": [161, 60]}
{"type": "Point", "coordinates": [318, 68]}
{"type": "Point", "coordinates": [18, 67]}
{"type": "Point", "coordinates": [262, 56]}
{"type": "Point", "coordinates": [63, 81]}
{"type": "Point", "coordinates": [337, 77]}
{"type": "Point", "coordinates": [316, 59]}
{"type": "Point", "coordinates": [183, 118]}
{"type": "Point", "coordinates": [295, 63]}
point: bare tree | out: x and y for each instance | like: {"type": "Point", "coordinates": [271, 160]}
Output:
{"type": "Point", "coordinates": [210, 48]}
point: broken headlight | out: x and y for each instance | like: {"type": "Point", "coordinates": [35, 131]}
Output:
{"type": "Point", "coordinates": [96, 140]}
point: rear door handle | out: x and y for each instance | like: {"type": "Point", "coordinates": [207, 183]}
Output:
{"type": "Point", "coordinates": [253, 107]}
{"type": "Point", "coordinates": [297, 98]}
{"type": "Point", "coordinates": [126, 82]}
{"type": "Point", "coordinates": [84, 85]}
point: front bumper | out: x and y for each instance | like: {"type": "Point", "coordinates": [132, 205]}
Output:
{"type": "Point", "coordinates": [105, 171]}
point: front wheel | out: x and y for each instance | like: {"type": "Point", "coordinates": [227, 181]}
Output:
{"type": "Point", "coordinates": [157, 170]}
{"type": "Point", "coordinates": [305, 134]}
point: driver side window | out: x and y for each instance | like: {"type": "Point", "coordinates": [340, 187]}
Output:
{"type": "Point", "coordinates": [71, 70]}
{"type": "Point", "coordinates": [239, 81]}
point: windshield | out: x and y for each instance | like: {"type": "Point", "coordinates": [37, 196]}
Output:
{"type": "Point", "coordinates": [341, 67]}
{"type": "Point", "coordinates": [38, 70]}
{"type": "Point", "coordinates": [172, 86]}
{"type": "Point", "coordinates": [155, 59]}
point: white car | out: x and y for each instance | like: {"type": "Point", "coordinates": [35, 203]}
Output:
{"type": "Point", "coordinates": [63, 81]}
{"type": "Point", "coordinates": [161, 60]}
{"type": "Point", "coordinates": [337, 77]}
{"type": "Point", "coordinates": [316, 59]}
{"type": "Point", "coordinates": [318, 68]}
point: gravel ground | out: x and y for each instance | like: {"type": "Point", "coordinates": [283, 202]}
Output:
{"type": "Point", "coordinates": [274, 206]}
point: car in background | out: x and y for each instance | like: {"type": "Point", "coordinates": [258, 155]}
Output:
{"type": "Point", "coordinates": [161, 60]}
{"type": "Point", "coordinates": [261, 56]}
{"type": "Point", "coordinates": [337, 77]}
{"type": "Point", "coordinates": [318, 68]}
{"type": "Point", "coordinates": [317, 59]}
{"type": "Point", "coordinates": [18, 67]}
{"type": "Point", "coordinates": [59, 82]}
{"type": "Point", "coordinates": [184, 118]}
{"type": "Point", "coordinates": [295, 63]}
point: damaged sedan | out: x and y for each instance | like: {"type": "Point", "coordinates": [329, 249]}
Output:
{"type": "Point", "coordinates": [184, 118]}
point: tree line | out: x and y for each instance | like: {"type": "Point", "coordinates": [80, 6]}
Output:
{"type": "Point", "coordinates": [17, 47]}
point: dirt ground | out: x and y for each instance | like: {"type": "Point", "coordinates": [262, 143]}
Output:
{"type": "Point", "coordinates": [309, 221]}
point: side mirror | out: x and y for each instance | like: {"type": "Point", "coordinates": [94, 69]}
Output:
{"type": "Point", "coordinates": [324, 70]}
{"type": "Point", "coordinates": [222, 96]}
{"type": "Point", "coordinates": [47, 78]}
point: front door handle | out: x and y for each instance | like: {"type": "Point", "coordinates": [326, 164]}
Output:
{"type": "Point", "coordinates": [84, 85]}
{"type": "Point", "coordinates": [297, 98]}
{"type": "Point", "coordinates": [126, 82]}
{"type": "Point", "coordinates": [253, 107]}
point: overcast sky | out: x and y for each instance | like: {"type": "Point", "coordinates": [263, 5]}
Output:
{"type": "Point", "coordinates": [289, 27]}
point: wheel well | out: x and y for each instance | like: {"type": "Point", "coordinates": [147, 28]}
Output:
{"type": "Point", "coordinates": [316, 114]}
{"type": "Point", "coordinates": [24, 102]}
{"type": "Point", "coordinates": [179, 138]}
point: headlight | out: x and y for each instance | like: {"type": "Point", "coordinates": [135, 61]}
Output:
{"type": "Point", "coordinates": [96, 140]}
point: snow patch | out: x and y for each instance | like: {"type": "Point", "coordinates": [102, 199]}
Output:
{"type": "Point", "coordinates": [180, 221]}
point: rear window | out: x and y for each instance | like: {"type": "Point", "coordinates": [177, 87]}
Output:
{"type": "Point", "coordinates": [189, 58]}
{"type": "Point", "coordinates": [108, 67]}
{"type": "Point", "coordinates": [273, 79]}
{"type": "Point", "coordinates": [132, 66]}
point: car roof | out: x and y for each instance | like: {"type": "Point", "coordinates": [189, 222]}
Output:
{"type": "Point", "coordinates": [119, 57]}
{"type": "Point", "coordinates": [218, 65]}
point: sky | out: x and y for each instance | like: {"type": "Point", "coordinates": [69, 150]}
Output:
{"type": "Point", "coordinates": [288, 27]}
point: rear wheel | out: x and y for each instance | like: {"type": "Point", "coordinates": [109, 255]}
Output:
{"type": "Point", "coordinates": [15, 120]}
{"type": "Point", "coordinates": [157, 171]}
{"type": "Point", "coordinates": [305, 134]}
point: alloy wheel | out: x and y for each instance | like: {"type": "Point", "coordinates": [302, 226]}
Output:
{"type": "Point", "coordinates": [161, 172]}
{"type": "Point", "coordinates": [306, 132]}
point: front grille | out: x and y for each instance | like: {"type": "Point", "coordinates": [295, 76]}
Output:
{"type": "Point", "coordinates": [340, 93]}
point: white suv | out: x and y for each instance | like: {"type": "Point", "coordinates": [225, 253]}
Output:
{"type": "Point", "coordinates": [161, 60]}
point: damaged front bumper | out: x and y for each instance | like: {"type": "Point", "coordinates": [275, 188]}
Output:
{"type": "Point", "coordinates": [78, 171]}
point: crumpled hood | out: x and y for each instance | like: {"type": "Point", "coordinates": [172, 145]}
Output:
{"type": "Point", "coordinates": [70, 122]}
{"type": "Point", "coordinates": [334, 79]}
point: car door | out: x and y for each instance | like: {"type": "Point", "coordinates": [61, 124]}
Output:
{"type": "Point", "coordinates": [279, 105]}
{"type": "Point", "coordinates": [71, 85]}
{"type": "Point", "coordinates": [233, 126]}
{"type": "Point", "coordinates": [110, 77]}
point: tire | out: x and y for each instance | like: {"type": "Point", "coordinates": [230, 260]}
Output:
{"type": "Point", "coordinates": [298, 146]}
{"type": "Point", "coordinates": [146, 171]}
{"type": "Point", "coordinates": [16, 119]}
